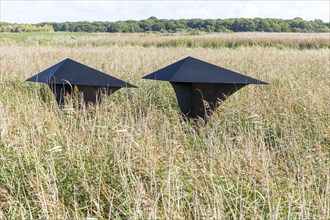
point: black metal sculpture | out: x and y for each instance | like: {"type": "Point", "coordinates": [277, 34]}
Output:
{"type": "Point", "coordinates": [67, 76]}
{"type": "Point", "coordinates": [199, 85]}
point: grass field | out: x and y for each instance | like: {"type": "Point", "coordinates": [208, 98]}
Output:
{"type": "Point", "coordinates": [263, 155]}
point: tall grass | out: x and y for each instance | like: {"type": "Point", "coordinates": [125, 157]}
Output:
{"type": "Point", "coordinates": [220, 40]}
{"type": "Point", "coordinates": [263, 154]}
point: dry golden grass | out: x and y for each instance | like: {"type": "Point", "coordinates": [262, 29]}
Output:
{"type": "Point", "coordinates": [264, 153]}
{"type": "Point", "coordinates": [217, 40]}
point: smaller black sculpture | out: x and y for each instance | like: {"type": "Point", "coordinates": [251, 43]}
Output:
{"type": "Point", "coordinates": [69, 76]}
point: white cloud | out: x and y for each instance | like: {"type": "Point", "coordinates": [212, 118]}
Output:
{"type": "Point", "coordinates": [39, 11]}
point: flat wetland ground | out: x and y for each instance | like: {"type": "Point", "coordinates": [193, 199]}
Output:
{"type": "Point", "coordinates": [263, 155]}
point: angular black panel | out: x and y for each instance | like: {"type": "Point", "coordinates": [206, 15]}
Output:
{"type": "Point", "coordinates": [201, 99]}
{"type": "Point", "coordinates": [89, 94]}
{"type": "Point", "coordinates": [192, 70]}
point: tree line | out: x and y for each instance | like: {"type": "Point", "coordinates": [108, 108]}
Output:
{"type": "Point", "coordinates": [18, 28]}
{"type": "Point", "coordinates": [154, 24]}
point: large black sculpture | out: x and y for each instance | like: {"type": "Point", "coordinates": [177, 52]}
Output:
{"type": "Point", "coordinates": [67, 76]}
{"type": "Point", "coordinates": [199, 85]}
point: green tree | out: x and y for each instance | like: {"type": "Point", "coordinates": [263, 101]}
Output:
{"type": "Point", "coordinates": [157, 26]}
{"type": "Point", "coordinates": [170, 26]}
{"type": "Point", "coordinates": [209, 25]}
{"type": "Point", "coordinates": [263, 25]}
{"type": "Point", "coordinates": [146, 25]}
{"type": "Point", "coordinates": [242, 25]}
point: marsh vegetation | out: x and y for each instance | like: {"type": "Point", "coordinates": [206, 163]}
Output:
{"type": "Point", "coordinates": [263, 155]}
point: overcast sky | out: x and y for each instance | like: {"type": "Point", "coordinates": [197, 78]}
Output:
{"type": "Point", "coordinates": [31, 11]}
